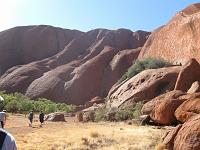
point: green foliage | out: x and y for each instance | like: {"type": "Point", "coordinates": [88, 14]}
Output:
{"type": "Point", "coordinates": [136, 111]}
{"type": "Point", "coordinates": [12, 106]}
{"type": "Point", "coordinates": [100, 114]}
{"type": "Point", "coordinates": [17, 102]}
{"type": "Point", "coordinates": [140, 65]}
{"type": "Point", "coordinates": [123, 115]}
{"type": "Point", "coordinates": [133, 113]}
{"type": "Point", "coordinates": [119, 114]}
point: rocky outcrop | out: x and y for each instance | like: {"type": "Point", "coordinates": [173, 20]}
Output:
{"type": "Point", "coordinates": [55, 117]}
{"type": "Point", "coordinates": [188, 136]}
{"type": "Point", "coordinates": [150, 105]}
{"type": "Point", "coordinates": [88, 66]}
{"type": "Point", "coordinates": [22, 45]}
{"type": "Point", "coordinates": [184, 136]}
{"type": "Point", "coordinates": [185, 79]}
{"type": "Point", "coordinates": [144, 86]}
{"type": "Point", "coordinates": [188, 109]}
{"type": "Point", "coordinates": [163, 113]}
{"type": "Point", "coordinates": [168, 138]}
{"type": "Point", "coordinates": [93, 101]}
{"type": "Point", "coordinates": [179, 37]}
{"type": "Point", "coordinates": [195, 87]}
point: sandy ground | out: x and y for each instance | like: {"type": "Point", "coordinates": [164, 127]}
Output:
{"type": "Point", "coordinates": [72, 135]}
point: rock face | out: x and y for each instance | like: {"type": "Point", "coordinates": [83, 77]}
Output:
{"type": "Point", "coordinates": [188, 109]}
{"type": "Point", "coordinates": [55, 117]}
{"type": "Point", "coordinates": [145, 85]}
{"type": "Point", "coordinates": [95, 100]}
{"type": "Point", "coordinates": [179, 37]}
{"type": "Point", "coordinates": [194, 88]}
{"type": "Point", "coordinates": [168, 139]}
{"type": "Point", "coordinates": [150, 105]}
{"type": "Point", "coordinates": [189, 135]}
{"type": "Point", "coordinates": [185, 79]}
{"type": "Point", "coordinates": [88, 66]}
{"type": "Point", "coordinates": [163, 113]}
{"type": "Point", "coordinates": [22, 45]}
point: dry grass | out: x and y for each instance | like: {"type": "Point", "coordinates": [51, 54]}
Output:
{"type": "Point", "coordinates": [72, 135]}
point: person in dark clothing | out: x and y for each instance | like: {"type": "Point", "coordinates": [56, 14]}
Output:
{"type": "Point", "coordinates": [41, 118]}
{"type": "Point", "coordinates": [30, 117]}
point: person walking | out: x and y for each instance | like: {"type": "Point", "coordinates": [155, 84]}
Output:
{"type": "Point", "coordinates": [30, 117]}
{"type": "Point", "coordinates": [41, 118]}
{"type": "Point", "coordinates": [3, 118]}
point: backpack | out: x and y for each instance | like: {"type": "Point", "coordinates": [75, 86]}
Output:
{"type": "Point", "coordinates": [41, 116]}
{"type": "Point", "coordinates": [30, 116]}
{"type": "Point", "coordinates": [2, 138]}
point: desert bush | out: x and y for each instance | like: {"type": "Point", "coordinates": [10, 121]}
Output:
{"type": "Point", "coordinates": [100, 114]}
{"type": "Point", "coordinates": [94, 134]}
{"type": "Point", "coordinates": [123, 115]}
{"type": "Point", "coordinates": [17, 102]}
{"type": "Point", "coordinates": [136, 110]}
{"type": "Point", "coordinates": [129, 113]}
{"type": "Point", "coordinates": [79, 116]}
{"type": "Point", "coordinates": [12, 106]}
{"type": "Point", "coordinates": [140, 65]}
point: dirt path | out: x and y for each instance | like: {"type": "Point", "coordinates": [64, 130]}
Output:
{"type": "Point", "coordinates": [72, 135]}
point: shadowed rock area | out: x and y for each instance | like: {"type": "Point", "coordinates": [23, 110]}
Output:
{"type": "Point", "coordinates": [88, 66]}
{"type": "Point", "coordinates": [22, 45]}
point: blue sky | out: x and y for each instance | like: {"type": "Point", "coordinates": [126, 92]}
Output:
{"type": "Point", "coordinates": [86, 15]}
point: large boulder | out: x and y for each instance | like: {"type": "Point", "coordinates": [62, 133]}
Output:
{"type": "Point", "coordinates": [188, 137]}
{"type": "Point", "coordinates": [195, 87]}
{"type": "Point", "coordinates": [55, 117]}
{"type": "Point", "coordinates": [95, 100]}
{"type": "Point", "coordinates": [178, 40]}
{"type": "Point", "coordinates": [168, 138]}
{"type": "Point", "coordinates": [188, 109]}
{"type": "Point", "coordinates": [185, 79]}
{"type": "Point", "coordinates": [144, 86]}
{"type": "Point", "coordinates": [150, 105]}
{"type": "Point", "coordinates": [88, 66]}
{"type": "Point", "coordinates": [163, 113]}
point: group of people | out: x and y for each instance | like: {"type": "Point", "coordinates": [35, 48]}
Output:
{"type": "Point", "coordinates": [31, 116]}
{"type": "Point", "coordinates": [7, 141]}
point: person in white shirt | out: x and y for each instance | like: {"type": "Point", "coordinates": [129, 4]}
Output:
{"type": "Point", "coordinates": [7, 141]}
{"type": "Point", "coordinates": [3, 118]}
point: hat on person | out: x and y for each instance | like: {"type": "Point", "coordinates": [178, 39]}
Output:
{"type": "Point", "coordinates": [4, 110]}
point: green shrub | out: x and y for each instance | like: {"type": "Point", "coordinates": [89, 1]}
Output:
{"type": "Point", "coordinates": [140, 65]}
{"type": "Point", "coordinates": [123, 115]}
{"type": "Point", "coordinates": [17, 102]}
{"type": "Point", "coordinates": [129, 113]}
{"type": "Point", "coordinates": [100, 114]}
{"type": "Point", "coordinates": [136, 111]}
{"type": "Point", "coordinates": [12, 106]}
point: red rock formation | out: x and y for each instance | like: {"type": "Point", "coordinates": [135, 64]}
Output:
{"type": "Point", "coordinates": [168, 139]}
{"type": "Point", "coordinates": [163, 113]}
{"type": "Point", "coordinates": [145, 85]}
{"type": "Point", "coordinates": [195, 87]}
{"type": "Point", "coordinates": [55, 117]}
{"type": "Point", "coordinates": [188, 109]}
{"type": "Point", "coordinates": [189, 73]}
{"type": "Point", "coordinates": [188, 136]}
{"type": "Point", "coordinates": [178, 40]}
{"type": "Point", "coordinates": [88, 66]}
{"type": "Point", "coordinates": [95, 100]}
{"type": "Point", "coordinates": [22, 45]}
{"type": "Point", "coordinates": [150, 105]}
